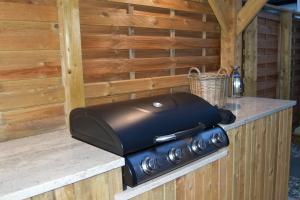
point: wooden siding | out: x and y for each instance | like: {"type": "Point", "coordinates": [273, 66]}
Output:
{"type": "Point", "coordinates": [257, 166]}
{"type": "Point", "coordinates": [295, 69]}
{"type": "Point", "coordinates": [268, 41]}
{"type": "Point", "coordinates": [100, 187]}
{"type": "Point", "coordinates": [134, 49]}
{"type": "Point", "coordinates": [31, 91]}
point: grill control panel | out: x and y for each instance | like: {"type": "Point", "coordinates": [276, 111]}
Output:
{"type": "Point", "coordinates": [161, 159]}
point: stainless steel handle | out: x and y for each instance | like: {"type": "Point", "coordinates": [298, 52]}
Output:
{"type": "Point", "coordinates": [165, 138]}
{"type": "Point", "coordinates": [174, 136]}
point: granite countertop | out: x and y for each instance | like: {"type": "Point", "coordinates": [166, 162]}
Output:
{"type": "Point", "coordinates": [249, 109]}
{"type": "Point", "coordinates": [38, 164]}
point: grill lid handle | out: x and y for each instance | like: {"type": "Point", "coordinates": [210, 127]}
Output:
{"type": "Point", "coordinates": [180, 134]}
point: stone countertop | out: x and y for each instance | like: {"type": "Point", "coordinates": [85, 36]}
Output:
{"type": "Point", "coordinates": [37, 164]}
{"type": "Point", "coordinates": [248, 109]}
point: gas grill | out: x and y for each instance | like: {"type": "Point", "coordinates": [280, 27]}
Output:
{"type": "Point", "coordinates": [155, 135]}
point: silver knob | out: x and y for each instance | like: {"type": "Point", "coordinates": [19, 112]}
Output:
{"type": "Point", "coordinates": [217, 139]}
{"type": "Point", "coordinates": [198, 146]}
{"type": "Point", "coordinates": [149, 165]}
{"type": "Point", "coordinates": [175, 155]}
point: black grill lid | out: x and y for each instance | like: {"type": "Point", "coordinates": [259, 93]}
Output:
{"type": "Point", "coordinates": [130, 126]}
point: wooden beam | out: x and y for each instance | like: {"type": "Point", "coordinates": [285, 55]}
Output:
{"type": "Point", "coordinates": [71, 58]}
{"type": "Point", "coordinates": [250, 59]}
{"type": "Point", "coordinates": [247, 13]}
{"type": "Point", "coordinates": [286, 23]}
{"type": "Point", "coordinates": [226, 13]}
{"type": "Point", "coordinates": [218, 9]}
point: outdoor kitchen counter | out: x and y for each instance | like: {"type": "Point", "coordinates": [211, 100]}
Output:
{"type": "Point", "coordinates": [47, 162]}
{"type": "Point", "coordinates": [248, 109]}
{"type": "Point", "coordinates": [260, 122]}
{"type": "Point", "coordinates": [38, 164]}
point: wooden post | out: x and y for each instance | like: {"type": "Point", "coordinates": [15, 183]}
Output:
{"type": "Point", "coordinates": [286, 23]}
{"type": "Point", "coordinates": [71, 58]}
{"type": "Point", "coordinates": [233, 18]}
{"type": "Point", "coordinates": [250, 62]}
{"type": "Point", "coordinates": [247, 13]}
{"type": "Point", "coordinates": [226, 13]}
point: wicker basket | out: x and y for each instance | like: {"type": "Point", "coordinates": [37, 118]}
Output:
{"type": "Point", "coordinates": [213, 87]}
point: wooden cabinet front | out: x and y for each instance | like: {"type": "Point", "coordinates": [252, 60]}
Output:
{"type": "Point", "coordinates": [100, 187]}
{"type": "Point", "coordinates": [256, 168]}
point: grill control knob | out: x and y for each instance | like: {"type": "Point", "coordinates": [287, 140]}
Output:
{"type": "Point", "coordinates": [198, 146]}
{"type": "Point", "coordinates": [149, 165]}
{"type": "Point", "coordinates": [217, 139]}
{"type": "Point", "coordinates": [175, 155]}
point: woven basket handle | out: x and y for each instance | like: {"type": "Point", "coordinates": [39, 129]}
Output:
{"type": "Point", "coordinates": [194, 69]}
{"type": "Point", "coordinates": [224, 70]}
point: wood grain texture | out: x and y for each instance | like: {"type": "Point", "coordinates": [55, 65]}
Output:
{"type": "Point", "coordinates": [248, 12]}
{"type": "Point", "coordinates": [256, 167]}
{"type": "Point", "coordinates": [137, 48]}
{"type": "Point", "coordinates": [31, 89]}
{"type": "Point", "coordinates": [153, 22]}
{"type": "Point", "coordinates": [100, 187]}
{"type": "Point", "coordinates": [70, 42]}
{"type": "Point", "coordinates": [263, 66]}
{"type": "Point", "coordinates": [27, 12]}
{"type": "Point", "coordinates": [181, 5]}
{"type": "Point", "coordinates": [295, 69]}
{"type": "Point", "coordinates": [250, 61]}
{"type": "Point", "coordinates": [146, 42]}
{"type": "Point", "coordinates": [286, 21]}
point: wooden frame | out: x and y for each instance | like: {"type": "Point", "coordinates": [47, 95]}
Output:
{"type": "Point", "coordinates": [286, 20]}
{"type": "Point", "coordinates": [71, 58]}
{"type": "Point", "coordinates": [232, 24]}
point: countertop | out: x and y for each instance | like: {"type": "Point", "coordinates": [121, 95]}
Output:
{"type": "Point", "coordinates": [38, 164]}
{"type": "Point", "coordinates": [249, 109]}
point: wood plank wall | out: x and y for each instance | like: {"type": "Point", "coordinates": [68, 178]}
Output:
{"type": "Point", "coordinates": [100, 187]}
{"type": "Point", "coordinates": [256, 168]}
{"type": "Point", "coordinates": [133, 49]}
{"type": "Point", "coordinates": [268, 61]}
{"type": "Point", "coordinates": [295, 69]}
{"type": "Point", "coordinates": [31, 91]}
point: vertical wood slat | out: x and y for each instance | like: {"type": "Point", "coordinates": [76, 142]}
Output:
{"type": "Point", "coordinates": [131, 51]}
{"type": "Point", "coordinates": [257, 165]}
{"type": "Point", "coordinates": [286, 21]}
{"type": "Point", "coordinates": [71, 58]}
{"type": "Point", "coordinates": [250, 62]}
{"type": "Point", "coordinates": [172, 51]}
{"type": "Point", "coordinates": [100, 187]}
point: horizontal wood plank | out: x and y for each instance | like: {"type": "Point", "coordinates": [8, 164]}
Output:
{"type": "Point", "coordinates": [26, 99]}
{"type": "Point", "coordinates": [135, 85]}
{"type": "Point", "coordinates": [30, 85]}
{"type": "Point", "coordinates": [267, 44]}
{"type": "Point", "coordinates": [33, 39]}
{"type": "Point", "coordinates": [27, 12]}
{"type": "Point", "coordinates": [33, 113]}
{"type": "Point", "coordinates": [149, 22]}
{"type": "Point", "coordinates": [7, 74]}
{"type": "Point", "coordinates": [183, 5]}
{"type": "Point", "coordinates": [146, 42]}
{"type": "Point", "coordinates": [29, 128]}
{"type": "Point", "coordinates": [16, 59]}
{"type": "Point", "coordinates": [102, 66]}
{"type": "Point", "coordinates": [263, 59]}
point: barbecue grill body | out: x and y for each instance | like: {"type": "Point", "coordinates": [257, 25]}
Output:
{"type": "Point", "coordinates": [130, 126]}
{"type": "Point", "coordinates": [155, 135]}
